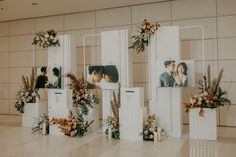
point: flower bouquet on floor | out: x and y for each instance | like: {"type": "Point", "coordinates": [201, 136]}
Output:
{"type": "Point", "coordinates": [73, 125]}
{"type": "Point", "coordinates": [211, 94]}
{"type": "Point", "coordinates": [149, 127]}
{"type": "Point", "coordinates": [26, 94]}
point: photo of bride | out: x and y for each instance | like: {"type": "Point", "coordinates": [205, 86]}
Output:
{"type": "Point", "coordinates": [171, 75]}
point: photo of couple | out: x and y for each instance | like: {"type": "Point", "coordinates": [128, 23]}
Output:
{"type": "Point", "coordinates": [171, 75]}
{"type": "Point", "coordinates": [48, 77]}
{"type": "Point", "coordinates": [103, 76]}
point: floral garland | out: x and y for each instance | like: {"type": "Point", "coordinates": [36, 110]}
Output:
{"type": "Point", "coordinates": [46, 39]}
{"type": "Point", "coordinates": [211, 95]}
{"type": "Point", "coordinates": [142, 39]}
{"type": "Point", "coordinates": [26, 94]}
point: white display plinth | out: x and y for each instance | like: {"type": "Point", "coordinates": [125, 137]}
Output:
{"type": "Point", "coordinates": [59, 103]}
{"type": "Point", "coordinates": [203, 127]}
{"type": "Point", "coordinates": [202, 148]}
{"type": "Point", "coordinates": [131, 113]}
{"type": "Point", "coordinates": [32, 112]}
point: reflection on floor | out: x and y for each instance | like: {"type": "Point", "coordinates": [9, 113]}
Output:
{"type": "Point", "coordinates": [19, 142]}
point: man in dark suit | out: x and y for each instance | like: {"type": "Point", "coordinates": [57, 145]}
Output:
{"type": "Point", "coordinates": [42, 79]}
{"type": "Point", "coordinates": [167, 79]}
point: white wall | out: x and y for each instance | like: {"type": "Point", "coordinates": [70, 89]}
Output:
{"type": "Point", "coordinates": [217, 16]}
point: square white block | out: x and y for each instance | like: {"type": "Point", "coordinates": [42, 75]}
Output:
{"type": "Point", "coordinates": [202, 127]}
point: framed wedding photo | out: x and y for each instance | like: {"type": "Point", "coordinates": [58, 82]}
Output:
{"type": "Point", "coordinates": [175, 73]}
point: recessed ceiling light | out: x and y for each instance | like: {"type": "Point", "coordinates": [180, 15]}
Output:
{"type": "Point", "coordinates": [34, 3]}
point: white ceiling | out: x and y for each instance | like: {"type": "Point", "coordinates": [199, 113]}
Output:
{"type": "Point", "coordinates": [19, 9]}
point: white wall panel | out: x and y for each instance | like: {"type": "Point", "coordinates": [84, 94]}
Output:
{"type": "Point", "coordinates": [151, 12]}
{"type": "Point", "coordinates": [54, 22]}
{"type": "Point", "coordinates": [4, 29]}
{"type": "Point", "coordinates": [22, 27]}
{"type": "Point", "coordinates": [80, 21]}
{"type": "Point", "coordinates": [113, 17]}
{"type": "Point", "coordinates": [187, 9]}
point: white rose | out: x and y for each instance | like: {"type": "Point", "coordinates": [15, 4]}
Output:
{"type": "Point", "coordinates": [46, 35]}
{"type": "Point", "coordinates": [151, 136]}
{"type": "Point", "coordinates": [51, 37]}
{"type": "Point", "coordinates": [27, 93]}
{"type": "Point", "coordinates": [55, 40]}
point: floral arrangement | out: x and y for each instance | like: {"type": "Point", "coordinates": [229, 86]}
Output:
{"type": "Point", "coordinates": [142, 39]}
{"type": "Point", "coordinates": [26, 94]}
{"type": "Point", "coordinates": [71, 126]}
{"type": "Point", "coordinates": [113, 121]}
{"type": "Point", "coordinates": [149, 127]}
{"type": "Point", "coordinates": [46, 39]}
{"type": "Point", "coordinates": [82, 98]}
{"type": "Point", "coordinates": [211, 94]}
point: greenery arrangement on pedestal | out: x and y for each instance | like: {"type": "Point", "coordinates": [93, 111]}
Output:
{"type": "Point", "coordinates": [113, 120]}
{"type": "Point", "coordinates": [142, 39]}
{"type": "Point", "coordinates": [211, 95]}
{"type": "Point", "coordinates": [75, 124]}
{"type": "Point", "coordinates": [46, 39]}
{"type": "Point", "coordinates": [27, 93]}
{"type": "Point", "coordinates": [149, 127]}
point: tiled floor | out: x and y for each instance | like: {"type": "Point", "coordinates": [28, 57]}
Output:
{"type": "Point", "coordinates": [19, 142]}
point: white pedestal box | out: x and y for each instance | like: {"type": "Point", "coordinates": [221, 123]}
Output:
{"type": "Point", "coordinates": [131, 113]}
{"type": "Point", "coordinates": [32, 111]}
{"type": "Point", "coordinates": [202, 127]}
{"type": "Point", "coordinates": [203, 148]}
{"type": "Point", "coordinates": [59, 103]}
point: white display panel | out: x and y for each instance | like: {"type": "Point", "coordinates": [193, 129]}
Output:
{"type": "Point", "coordinates": [166, 103]}
{"type": "Point", "coordinates": [114, 45]}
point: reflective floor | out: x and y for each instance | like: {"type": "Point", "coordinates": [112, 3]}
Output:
{"type": "Point", "coordinates": [19, 142]}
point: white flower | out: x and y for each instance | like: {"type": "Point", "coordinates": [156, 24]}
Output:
{"type": "Point", "coordinates": [51, 37]}
{"type": "Point", "coordinates": [46, 35]}
{"type": "Point", "coordinates": [151, 129]}
{"type": "Point", "coordinates": [145, 132]}
{"type": "Point", "coordinates": [151, 136]}
{"type": "Point", "coordinates": [55, 40]}
{"type": "Point", "coordinates": [33, 94]}
{"type": "Point", "coordinates": [26, 94]}
{"type": "Point", "coordinates": [37, 38]}
{"type": "Point", "coordinates": [205, 93]}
